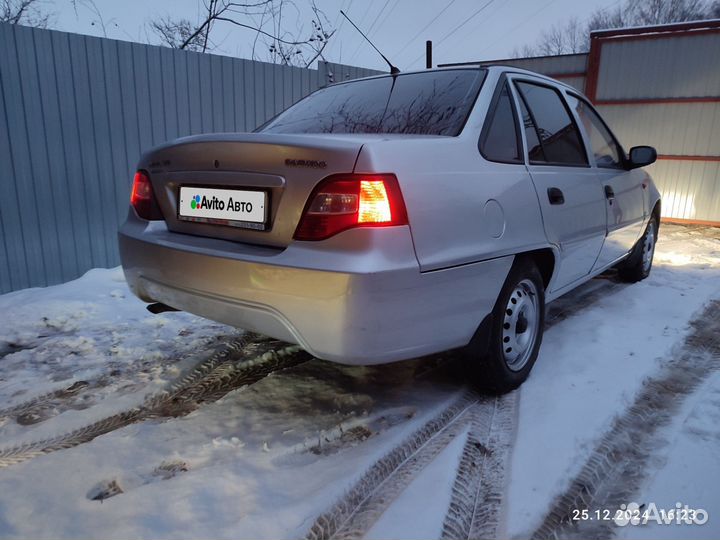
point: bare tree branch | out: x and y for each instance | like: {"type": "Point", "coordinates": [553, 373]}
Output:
{"type": "Point", "coordinates": [262, 20]}
{"type": "Point", "coordinates": [714, 10]}
{"type": "Point", "coordinates": [25, 12]}
{"type": "Point", "coordinates": [259, 31]}
{"type": "Point", "coordinates": [284, 45]}
{"type": "Point", "coordinates": [178, 34]}
{"type": "Point", "coordinates": [98, 19]}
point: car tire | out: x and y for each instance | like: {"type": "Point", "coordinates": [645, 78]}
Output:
{"type": "Point", "coordinates": [638, 264]}
{"type": "Point", "coordinates": [501, 355]}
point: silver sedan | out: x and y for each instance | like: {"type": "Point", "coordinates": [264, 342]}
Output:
{"type": "Point", "coordinates": [396, 216]}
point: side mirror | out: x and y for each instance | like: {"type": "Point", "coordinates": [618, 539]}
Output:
{"type": "Point", "coordinates": [640, 156]}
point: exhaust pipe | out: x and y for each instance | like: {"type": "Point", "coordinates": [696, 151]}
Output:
{"type": "Point", "coordinates": [158, 308]}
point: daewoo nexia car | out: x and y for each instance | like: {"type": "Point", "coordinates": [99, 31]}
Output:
{"type": "Point", "coordinates": [391, 217]}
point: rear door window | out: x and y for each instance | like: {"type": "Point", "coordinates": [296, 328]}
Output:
{"type": "Point", "coordinates": [429, 103]}
{"type": "Point", "coordinates": [556, 139]}
{"type": "Point", "coordinates": [499, 137]}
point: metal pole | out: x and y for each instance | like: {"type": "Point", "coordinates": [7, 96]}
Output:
{"type": "Point", "coordinates": [428, 54]}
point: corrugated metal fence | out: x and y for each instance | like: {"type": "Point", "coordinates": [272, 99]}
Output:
{"type": "Point", "coordinates": [75, 114]}
{"type": "Point", "coordinates": [659, 86]}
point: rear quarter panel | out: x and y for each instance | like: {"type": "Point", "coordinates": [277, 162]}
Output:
{"type": "Point", "coordinates": [652, 194]}
{"type": "Point", "coordinates": [461, 208]}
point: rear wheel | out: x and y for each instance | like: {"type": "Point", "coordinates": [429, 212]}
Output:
{"type": "Point", "coordinates": [639, 263]}
{"type": "Point", "coordinates": [503, 360]}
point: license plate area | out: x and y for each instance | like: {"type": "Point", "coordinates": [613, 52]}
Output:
{"type": "Point", "coordinates": [243, 208]}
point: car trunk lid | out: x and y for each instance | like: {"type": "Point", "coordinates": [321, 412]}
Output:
{"type": "Point", "coordinates": [284, 167]}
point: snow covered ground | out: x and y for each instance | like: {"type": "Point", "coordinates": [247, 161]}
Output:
{"type": "Point", "coordinates": [265, 460]}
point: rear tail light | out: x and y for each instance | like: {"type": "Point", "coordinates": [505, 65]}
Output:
{"type": "Point", "coordinates": [356, 200]}
{"type": "Point", "coordinates": [142, 197]}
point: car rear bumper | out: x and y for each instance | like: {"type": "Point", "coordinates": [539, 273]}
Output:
{"type": "Point", "coordinates": [357, 298]}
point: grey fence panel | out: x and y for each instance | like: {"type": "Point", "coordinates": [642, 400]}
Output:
{"type": "Point", "coordinates": [195, 101]}
{"type": "Point", "coordinates": [103, 144]}
{"type": "Point", "coordinates": [142, 96]}
{"type": "Point", "coordinates": [690, 189]}
{"type": "Point", "coordinates": [216, 92]}
{"type": "Point", "coordinates": [248, 92]}
{"type": "Point", "coordinates": [670, 67]}
{"type": "Point", "coordinates": [268, 89]}
{"type": "Point", "coordinates": [128, 103]}
{"type": "Point", "coordinates": [182, 98]}
{"type": "Point", "coordinates": [154, 88]}
{"type": "Point", "coordinates": [205, 93]}
{"type": "Point", "coordinates": [297, 92]}
{"type": "Point", "coordinates": [228, 94]}
{"type": "Point", "coordinates": [278, 88]}
{"type": "Point", "coordinates": [28, 218]}
{"type": "Point", "coordinates": [52, 139]}
{"type": "Point", "coordinates": [15, 264]}
{"type": "Point", "coordinates": [76, 112]}
{"type": "Point", "coordinates": [287, 91]}
{"type": "Point", "coordinates": [95, 207]}
{"type": "Point", "coordinates": [169, 85]}
{"type": "Point", "coordinates": [119, 158]}
{"type": "Point", "coordinates": [10, 274]}
{"type": "Point", "coordinates": [256, 79]}
{"type": "Point", "coordinates": [70, 154]}
{"type": "Point", "coordinates": [36, 167]}
{"type": "Point", "coordinates": [672, 128]}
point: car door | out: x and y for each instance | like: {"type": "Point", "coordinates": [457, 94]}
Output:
{"type": "Point", "coordinates": [623, 189]}
{"type": "Point", "coordinates": [571, 198]}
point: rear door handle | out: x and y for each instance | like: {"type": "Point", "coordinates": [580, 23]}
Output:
{"type": "Point", "coordinates": [555, 196]}
{"type": "Point", "coordinates": [609, 194]}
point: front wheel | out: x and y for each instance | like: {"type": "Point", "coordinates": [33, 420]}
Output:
{"type": "Point", "coordinates": [516, 328]}
{"type": "Point", "coordinates": [639, 263]}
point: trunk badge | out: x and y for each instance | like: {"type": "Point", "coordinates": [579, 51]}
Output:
{"type": "Point", "coordinates": [312, 163]}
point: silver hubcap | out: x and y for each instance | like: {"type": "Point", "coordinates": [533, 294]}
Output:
{"type": "Point", "coordinates": [648, 248]}
{"type": "Point", "coordinates": [520, 325]}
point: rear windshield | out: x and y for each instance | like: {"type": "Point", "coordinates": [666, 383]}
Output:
{"type": "Point", "coordinates": [431, 103]}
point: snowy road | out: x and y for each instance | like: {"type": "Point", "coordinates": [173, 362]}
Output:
{"type": "Point", "coordinates": [256, 444]}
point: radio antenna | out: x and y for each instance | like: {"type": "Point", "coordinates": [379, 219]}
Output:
{"type": "Point", "coordinates": [393, 69]}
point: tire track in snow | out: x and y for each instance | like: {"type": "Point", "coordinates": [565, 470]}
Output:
{"type": "Point", "coordinates": [374, 505]}
{"type": "Point", "coordinates": [490, 419]}
{"type": "Point", "coordinates": [616, 469]}
{"type": "Point", "coordinates": [43, 400]}
{"type": "Point", "coordinates": [35, 409]}
{"type": "Point", "coordinates": [210, 379]}
{"type": "Point", "coordinates": [477, 494]}
{"type": "Point", "coordinates": [357, 510]}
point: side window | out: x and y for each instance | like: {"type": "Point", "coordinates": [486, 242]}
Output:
{"type": "Point", "coordinates": [499, 138]}
{"type": "Point", "coordinates": [556, 131]}
{"type": "Point", "coordinates": [606, 151]}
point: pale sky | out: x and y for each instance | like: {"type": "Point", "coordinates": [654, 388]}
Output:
{"type": "Point", "coordinates": [396, 26]}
